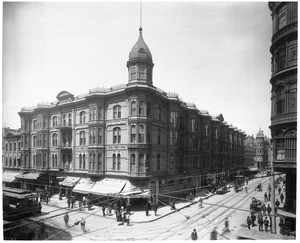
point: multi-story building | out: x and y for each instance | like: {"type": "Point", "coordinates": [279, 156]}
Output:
{"type": "Point", "coordinates": [134, 132]}
{"type": "Point", "coordinates": [262, 145]}
{"type": "Point", "coordinates": [250, 152]}
{"type": "Point", "coordinates": [284, 94]}
{"type": "Point", "coordinates": [257, 151]}
{"type": "Point", "coordinates": [11, 153]}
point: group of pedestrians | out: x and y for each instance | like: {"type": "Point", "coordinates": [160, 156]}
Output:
{"type": "Point", "coordinates": [153, 205]}
{"type": "Point", "coordinates": [123, 212]}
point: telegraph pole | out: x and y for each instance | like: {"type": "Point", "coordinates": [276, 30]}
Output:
{"type": "Point", "coordinates": [273, 192]}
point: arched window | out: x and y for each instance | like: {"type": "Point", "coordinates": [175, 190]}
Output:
{"type": "Point", "coordinates": [52, 157]}
{"type": "Point", "coordinates": [133, 108]}
{"type": "Point", "coordinates": [117, 111]}
{"type": "Point", "coordinates": [82, 117]}
{"type": "Point", "coordinates": [55, 159]}
{"type": "Point", "coordinates": [10, 146]}
{"type": "Point", "coordinates": [19, 146]}
{"type": "Point", "coordinates": [119, 161]}
{"type": "Point", "coordinates": [54, 121]}
{"type": "Point", "coordinates": [6, 147]}
{"type": "Point", "coordinates": [82, 138]}
{"type": "Point", "coordinates": [54, 140]}
{"type": "Point", "coordinates": [114, 162]}
{"type": "Point", "coordinates": [83, 161]}
{"type": "Point", "coordinates": [80, 161]}
{"type": "Point", "coordinates": [34, 122]}
{"type": "Point", "coordinates": [69, 119]}
{"type": "Point", "coordinates": [64, 120]}
{"type": "Point", "coordinates": [117, 135]}
{"type": "Point", "coordinates": [133, 134]}
{"type": "Point", "coordinates": [15, 146]}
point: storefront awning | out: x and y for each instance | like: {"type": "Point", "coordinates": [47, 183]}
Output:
{"type": "Point", "coordinates": [286, 214]}
{"type": "Point", "coordinates": [84, 186]}
{"type": "Point", "coordinates": [108, 186]}
{"type": "Point", "coordinates": [70, 181]}
{"type": "Point", "coordinates": [9, 176]}
{"type": "Point", "coordinates": [28, 176]}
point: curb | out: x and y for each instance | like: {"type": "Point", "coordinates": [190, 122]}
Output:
{"type": "Point", "coordinates": [171, 212]}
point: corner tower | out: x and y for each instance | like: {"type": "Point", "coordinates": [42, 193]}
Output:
{"type": "Point", "coordinates": [140, 64]}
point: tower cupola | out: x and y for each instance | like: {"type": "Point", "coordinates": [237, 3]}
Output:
{"type": "Point", "coordinates": [140, 64]}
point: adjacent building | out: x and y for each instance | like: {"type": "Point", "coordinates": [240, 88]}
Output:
{"type": "Point", "coordinates": [284, 95]}
{"type": "Point", "coordinates": [133, 135]}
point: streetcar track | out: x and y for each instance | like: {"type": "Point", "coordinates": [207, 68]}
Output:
{"type": "Point", "coordinates": [213, 208]}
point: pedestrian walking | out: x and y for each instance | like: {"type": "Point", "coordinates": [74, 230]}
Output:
{"type": "Point", "coordinates": [277, 203]}
{"type": "Point", "coordinates": [249, 222]}
{"type": "Point", "coordinates": [253, 218]}
{"type": "Point", "coordinates": [66, 219]}
{"type": "Point", "coordinates": [266, 196]}
{"type": "Point", "coordinates": [269, 209]}
{"type": "Point", "coordinates": [226, 224]}
{"type": "Point", "coordinates": [260, 223]}
{"type": "Point", "coordinates": [147, 207]}
{"type": "Point", "coordinates": [266, 223]}
{"type": "Point", "coordinates": [173, 205]}
{"type": "Point", "coordinates": [200, 202]}
{"type": "Point", "coordinates": [269, 196]}
{"type": "Point", "coordinates": [214, 234]}
{"type": "Point", "coordinates": [103, 210]}
{"type": "Point", "coordinates": [282, 226]}
{"type": "Point", "coordinates": [191, 198]}
{"type": "Point", "coordinates": [128, 208]}
{"type": "Point", "coordinates": [82, 224]}
{"type": "Point", "coordinates": [194, 235]}
{"type": "Point", "coordinates": [246, 189]}
{"type": "Point", "coordinates": [279, 190]}
{"type": "Point", "coordinates": [194, 192]}
{"type": "Point", "coordinates": [281, 197]}
{"type": "Point", "coordinates": [155, 207]}
{"type": "Point", "coordinates": [128, 218]}
{"type": "Point", "coordinates": [69, 202]}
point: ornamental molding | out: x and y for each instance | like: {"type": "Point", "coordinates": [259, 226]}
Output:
{"type": "Point", "coordinates": [284, 119]}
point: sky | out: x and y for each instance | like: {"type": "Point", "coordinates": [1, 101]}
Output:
{"type": "Point", "coordinates": [214, 54]}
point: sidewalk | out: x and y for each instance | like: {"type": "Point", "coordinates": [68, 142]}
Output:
{"type": "Point", "coordinates": [137, 216]}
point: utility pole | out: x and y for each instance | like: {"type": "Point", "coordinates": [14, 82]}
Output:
{"type": "Point", "coordinates": [273, 192]}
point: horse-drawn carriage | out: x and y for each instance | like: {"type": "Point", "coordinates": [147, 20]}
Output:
{"type": "Point", "coordinates": [259, 187]}
{"type": "Point", "coordinates": [255, 205]}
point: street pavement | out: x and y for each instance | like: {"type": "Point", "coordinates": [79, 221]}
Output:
{"type": "Point", "coordinates": [56, 208]}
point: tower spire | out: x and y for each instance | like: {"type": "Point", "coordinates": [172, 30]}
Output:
{"type": "Point", "coordinates": [140, 17]}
